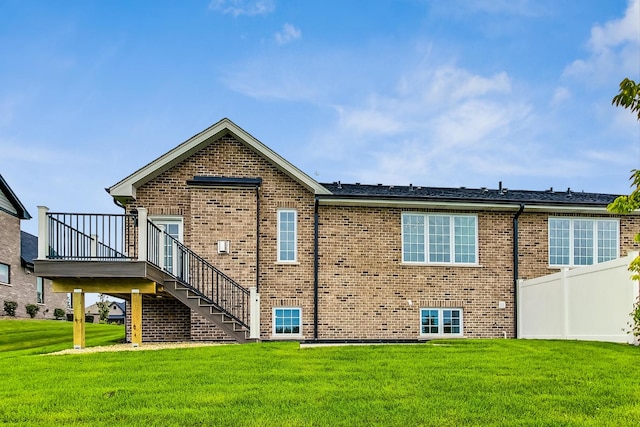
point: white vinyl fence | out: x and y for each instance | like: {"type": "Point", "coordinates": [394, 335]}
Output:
{"type": "Point", "coordinates": [585, 303]}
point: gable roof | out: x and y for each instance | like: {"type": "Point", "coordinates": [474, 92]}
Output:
{"type": "Point", "coordinates": [126, 188]}
{"type": "Point", "coordinates": [10, 203]}
{"type": "Point", "coordinates": [470, 198]}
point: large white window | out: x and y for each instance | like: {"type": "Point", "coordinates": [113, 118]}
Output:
{"type": "Point", "coordinates": [441, 321]}
{"type": "Point", "coordinates": [4, 273]}
{"type": "Point", "coordinates": [287, 321]}
{"type": "Point", "coordinates": [287, 235]}
{"type": "Point", "coordinates": [441, 239]}
{"type": "Point", "coordinates": [582, 241]}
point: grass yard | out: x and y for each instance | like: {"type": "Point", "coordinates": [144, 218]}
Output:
{"type": "Point", "coordinates": [461, 382]}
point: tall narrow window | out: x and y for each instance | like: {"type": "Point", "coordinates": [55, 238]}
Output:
{"type": "Point", "coordinates": [287, 235]}
{"type": "Point", "coordinates": [4, 273]}
{"type": "Point", "coordinates": [39, 290]}
{"type": "Point", "coordinates": [439, 239]}
{"type": "Point", "coordinates": [582, 241]}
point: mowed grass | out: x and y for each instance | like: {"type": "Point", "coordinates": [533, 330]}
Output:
{"type": "Point", "coordinates": [22, 337]}
{"type": "Point", "coordinates": [456, 382]}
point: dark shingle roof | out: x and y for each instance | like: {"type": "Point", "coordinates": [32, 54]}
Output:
{"type": "Point", "coordinates": [28, 248]}
{"type": "Point", "coordinates": [470, 195]}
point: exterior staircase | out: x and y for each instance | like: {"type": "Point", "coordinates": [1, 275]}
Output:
{"type": "Point", "coordinates": [202, 305]}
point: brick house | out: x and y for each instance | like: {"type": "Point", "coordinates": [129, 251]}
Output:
{"type": "Point", "coordinates": [242, 245]}
{"type": "Point", "coordinates": [18, 249]}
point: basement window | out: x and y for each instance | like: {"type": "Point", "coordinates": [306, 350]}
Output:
{"type": "Point", "coordinates": [441, 322]}
{"type": "Point", "coordinates": [287, 322]}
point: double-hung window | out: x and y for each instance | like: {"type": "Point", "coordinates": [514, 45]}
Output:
{"type": "Point", "coordinates": [440, 239]}
{"type": "Point", "coordinates": [287, 235]}
{"type": "Point", "coordinates": [287, 321]}
{"type": "Point", "coordinates": [582, 241]}
{"type": "Point", "coordinates": [441, 321]}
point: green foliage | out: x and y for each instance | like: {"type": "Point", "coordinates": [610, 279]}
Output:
{"type": "Point", "coordinates": [32, 310]}
{"type": "Point", "coordinates": [448, 383]}
{"type": "Point", "coordinates": [103, 308]}
{"type": "Point", "coordinates": [10, 308]}
{"type": "Point", "coordinates": [629, 96]}
{"type": "Point", "coordinates": [59, 313]}
{"type": "Point", "coordinates": [635, 317]}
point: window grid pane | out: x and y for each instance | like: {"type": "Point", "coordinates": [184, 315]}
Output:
{"type": "Point", "coordinates": [413, 238]}
{"type": "Point", "coordinates": [287, 320]}
{"type": "Point", "coordinates": [607, 240]}
{"type": "Point", "coordinates": [559, 241]}
{"type": "Point", "coordinates": [465, 239]}
{"type": "Point", "coordinates": [287, 236]}
{"type": "Point", "coordinates": [439, 238]}
{"type": "Point", "coordinates": [441, 321]}
{"type": "Point", "coordinates": [429, 321]}
{"type": "Point", "coordinates": [582, 242]}
{"type": "Point", "coordinates": [451, 321]}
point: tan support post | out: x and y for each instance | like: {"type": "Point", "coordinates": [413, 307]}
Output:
{"type": "Point", "coordinates": [78, 319]}
{"type": "Point", "coordinates": [136, 317]}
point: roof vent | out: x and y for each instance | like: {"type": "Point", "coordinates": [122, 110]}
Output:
{"type": "Point", "coordinates": [410, 187]}
{"type": "Point", "coordinates": [339, 185]}
{"type": "Point", "coordinates": [484, 190]}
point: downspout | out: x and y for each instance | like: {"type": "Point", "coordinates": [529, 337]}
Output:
{"type": "Point", "coordinates": [515, 269]}
{"type": "Point", "coordinates": [315, 269]}
{"type": "Point", "coordinates": [258, 238]}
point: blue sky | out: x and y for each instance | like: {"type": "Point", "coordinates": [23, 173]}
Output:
{"type": "Point", "coordinates": [434, 93]}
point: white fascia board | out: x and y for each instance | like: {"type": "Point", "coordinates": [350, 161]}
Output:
{"type": "Point", "coordinates": [126, 188]}
{"type": "Point", "coordinates": [435, 204]}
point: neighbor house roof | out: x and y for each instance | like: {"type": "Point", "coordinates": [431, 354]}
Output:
{"type": "Point", "coordinates": [28, 249]}
{"type": "Point", "coordinates": [471, 198]}
{"type": "Point", "coordinates": [10, 203]}
{"type": "Point", "coordinates": [126, 188]}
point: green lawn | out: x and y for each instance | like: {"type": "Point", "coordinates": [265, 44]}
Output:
{"type": "Point", "coordinates": [463, 382]}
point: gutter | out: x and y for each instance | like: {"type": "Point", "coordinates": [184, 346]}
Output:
{"type": "Point", "coordinates": [515, 269]}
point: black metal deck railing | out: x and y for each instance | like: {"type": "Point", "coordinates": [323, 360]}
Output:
{"type": "Point", "coordinates": [190, 269]}
{"type": "Point", "coordinates": [76, 236]}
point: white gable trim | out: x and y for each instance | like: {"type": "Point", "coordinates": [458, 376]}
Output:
{"type": "Point", "coordinates": [126, 189]}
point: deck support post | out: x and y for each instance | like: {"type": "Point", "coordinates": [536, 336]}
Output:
{"type": "Point", "coordinates": [78, 319]}
{"type": "Point", "coordinates": [254, 313]}
{"type": "Point", "coordinates": [136, 317]}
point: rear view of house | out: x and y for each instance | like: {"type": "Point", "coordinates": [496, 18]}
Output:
{"type": "Point", "coordinates": [223, 239]}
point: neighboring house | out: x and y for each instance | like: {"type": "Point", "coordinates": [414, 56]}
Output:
{"type": "Point", "coordinates": [18, 249]}
{"type": "Point", "coordinates": [225, 240]}
{"type": "Point", "coordinates": [117, 312]}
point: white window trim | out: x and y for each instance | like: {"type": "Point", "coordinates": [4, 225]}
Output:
{"type": "Point", "coordinates": [295, 238]}
{"type": "Point", "coordinates": [171, 219]}
{"type": "Point", "coordinates": [451, 241]}
{"type": "Point", "coordinates": [282, 336]}
{"type": "Point", "coordinates": [8, 282]}
{"type": "Point", "coordinates": [441, 334]}
{"type": "Point", "coordinates": [571, 220]}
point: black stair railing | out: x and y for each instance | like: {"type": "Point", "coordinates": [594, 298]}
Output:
{"type": "Point", "coordinates": [106, 237]}
{"type": "Point", "coordinates": [197, 274]}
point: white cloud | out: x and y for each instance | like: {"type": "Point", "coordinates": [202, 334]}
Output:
{"type": "Point", "coordinates": [288, 34]}
{"type": "Point", "coordinates": [560, 95]}
{"type": "Point", "coordinates": [243, 7]}
{"type": "Point", "coordinates": [613, 49]}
